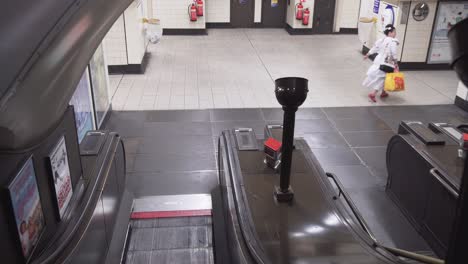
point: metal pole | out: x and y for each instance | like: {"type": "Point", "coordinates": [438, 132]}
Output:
{"type": "Point", "coordinates": [287, 147]}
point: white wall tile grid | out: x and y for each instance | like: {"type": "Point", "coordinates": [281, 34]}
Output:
{"type": "Point", "coordinates": [235, 68]}
{"type": "Point", "coordinates": [217, 11]}
{"type": "Point", "coordinates": [418, 35]}
{"type": "Point", "coordinates": [291, 14]}
{"type": "Point", "coordinates": [346, 14]}
{"type": "Point", "coordinates": [175, 14]}
{"type": "Point", "coordinates": [114, 44]}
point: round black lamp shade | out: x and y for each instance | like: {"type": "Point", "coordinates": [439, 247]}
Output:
{"type": "Point", "coordinates": [291, 92]}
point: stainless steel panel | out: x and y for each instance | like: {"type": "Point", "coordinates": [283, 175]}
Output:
{"type": "Point", "coordinates": [32, 106]}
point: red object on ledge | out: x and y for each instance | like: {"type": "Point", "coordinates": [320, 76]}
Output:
{"type": "Point", "coordinates": [273, 144]}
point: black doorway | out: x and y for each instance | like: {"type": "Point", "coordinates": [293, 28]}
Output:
{"type": "Point", "coordinates": [242, 13]}
{"type": "Point", "coordinates": [324, 16]}
{"type": "Point", "coordinates": [274, 16]}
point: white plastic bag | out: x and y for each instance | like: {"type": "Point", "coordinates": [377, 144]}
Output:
{"type": "Point", "coordinates": [153, 30]}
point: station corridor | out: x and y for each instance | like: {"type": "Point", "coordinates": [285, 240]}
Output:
{"type": "Point", "coordinates": [236, 68]}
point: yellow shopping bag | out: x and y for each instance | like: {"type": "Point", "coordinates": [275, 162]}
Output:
{"type": "Point", "coordinates": [394, 82]}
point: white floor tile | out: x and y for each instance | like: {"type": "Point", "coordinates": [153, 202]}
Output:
{"type": "Point", "coordinates": [236, 68]}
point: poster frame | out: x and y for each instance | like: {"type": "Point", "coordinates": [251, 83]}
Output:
{"type": "Point", "coordinates": [434, 26]}
{"type": "Point", "coordinates": [98, 122]}
{"type": "Point", "coordinates": [91, 103]}
{"type": "Point", "coordinates": [11, 214]}
{"type": "Point", "coordinates": [61, 142]}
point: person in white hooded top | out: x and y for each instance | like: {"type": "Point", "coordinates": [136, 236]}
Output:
{"type": "Point", "coordinates": [386, 48]}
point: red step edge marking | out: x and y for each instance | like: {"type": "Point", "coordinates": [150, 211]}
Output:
{"type": "Point", "coordinates": [165, 214]}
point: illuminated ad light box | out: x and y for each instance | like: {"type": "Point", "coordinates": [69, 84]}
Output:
{"type": "Point", "coordinates": [61, 177]}
{"type": "Point", "coordinates": [25, 204]}
{"type": "Point", "coordinates": [83, 106]}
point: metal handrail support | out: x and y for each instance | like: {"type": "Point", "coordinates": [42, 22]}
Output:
{"type": "Point", "coordinates": [376, 244]}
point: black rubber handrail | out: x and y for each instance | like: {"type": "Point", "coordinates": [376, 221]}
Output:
{"type": "Point", "coordinates": [243, 211]}
{"type": "Point", "coordinates": [351, 204]}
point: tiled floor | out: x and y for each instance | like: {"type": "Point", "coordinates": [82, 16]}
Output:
{"type": "Point", "coordinates": [235, 68]}
{"type": "Point", "coordinates": [174, 152]}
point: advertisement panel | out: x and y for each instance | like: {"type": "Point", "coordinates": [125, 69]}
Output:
{"type": "Point", "coordinates": [27, 209]}
{"type": "Point", "coordinates": [61, 176]}
{"type": "Point", "coordinates": [100, 84]}
{"type": "Point", "coordinates": [82, 103]}
{"type": "Point", "coordinates": [449, 14]}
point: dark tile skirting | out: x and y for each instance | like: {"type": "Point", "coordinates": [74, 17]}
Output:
{"type": "Point", "coordinates": [130, 68]}
{"type": "Point", "coordinates": [348, 31]}
{"type": "Point", "coordinates": [184, 31]}
{"type": "Point", "coordinates": [299, 31]}
{"type": "Point", "coordinates": [219, 25]}
{"type": "Point", "coordinates": [463, 104]}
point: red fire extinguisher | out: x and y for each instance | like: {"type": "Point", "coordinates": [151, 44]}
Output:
{"type": "Point", "coordinates": [192, 12]}
{"type": "Point", "coordinates": [299, 8]}
{"type": "Point", "coordinates": [305, 19]}
{"type": "Point", "coordinates": [199, 7]}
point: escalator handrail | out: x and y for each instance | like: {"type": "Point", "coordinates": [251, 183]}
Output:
{"type": "Point", "coordinates": [249, 235]}
{"type": "Point", "coordinates": [353, 207]}
{"type": "Point", "coordinates": [98, 182]}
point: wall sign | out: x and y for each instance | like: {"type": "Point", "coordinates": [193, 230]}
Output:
{"type": "Point", "coordinates": [387, 15]}
{"type": "Point", "coordinates": [274, 3]}
{"type": "Point", "coordinates": [61, 178]}
{"type": "Point", "coordinates": [449, 14]}
{"type": "Point", "coordinates": [84, 112]}
{"type": "Point", "coordinates": [27, 209]}
{"type": "Point", "coordinates": [376, 6]}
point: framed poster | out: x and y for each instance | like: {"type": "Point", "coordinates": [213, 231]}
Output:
{"type": "Point", "coordinates": [26, 207]}
{"type": "Point", "coordinates": [448, 14]}
{"type": "Point", "coordinates": [61, 177]}
{"type": "Point", "coordinates": [100, 85]}
{"type": "Point", "coordinates": [83, 105]}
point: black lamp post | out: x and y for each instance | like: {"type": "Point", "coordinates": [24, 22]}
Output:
{"type": "Point", "coordinates": [291, 92]}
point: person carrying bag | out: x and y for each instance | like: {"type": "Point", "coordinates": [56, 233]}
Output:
{"type": "Point", "coordinates": [384, 63]}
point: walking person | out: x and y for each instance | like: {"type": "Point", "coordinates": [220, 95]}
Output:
{"type": "Point", "coordinates": [385, 62]}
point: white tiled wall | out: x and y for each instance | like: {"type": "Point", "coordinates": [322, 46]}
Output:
{"type": "Point", "coordinates": [174, 14]}
{"type": "Point", "coordinates": [462, 91]}
{"type": "Point", "coordinates": [258, 11]}
{"type": "Point", "coordinates": [217, 11]}
{"type": "Point", "coordinates": [291, 14]}
{"type": "Point", "coordinates": [114, 44]}
{"type": "Point", "coordinates": [418, 35]}
{"type": "Point", "coordinates": [136, 41]}
{"type": "Point", "coordinates": [346, 14]}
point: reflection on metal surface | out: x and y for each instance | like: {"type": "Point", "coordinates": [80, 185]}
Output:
{"type": "Point", "coordinates": [332, 220]}
{"type": "Point", "coordinates": [109, 205]}
{"type": "Point", "coordinates": [298, 234]}
{"type": "Point", "coordinates": [315, 229]}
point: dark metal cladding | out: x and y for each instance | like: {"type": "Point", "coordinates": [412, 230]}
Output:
{"type": "Point", "coordinates": [457, 252]}
{"type": "Point", "coordinates": [458, 36]}
{"type": "Point", "coordinates": [315, 228]}
{"type": "Point", "coordinates": [58, 53]}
